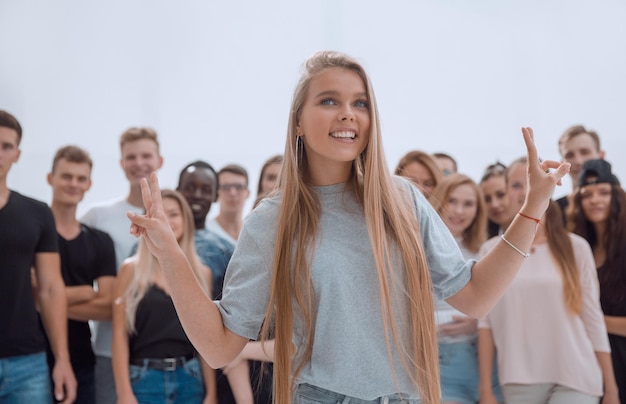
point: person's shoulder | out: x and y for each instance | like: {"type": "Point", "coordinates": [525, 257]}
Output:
{"type": "Point", "coordinates": [267, 209]}
{"type": "Point", "coordinates": [96, 234]}
{"type": "Point", "coordinates": [579, 243]}
{"type": "Point", "coordinates": [210, 236]}
{"type": "Point", "coordinates": [27, 201]}
{"type": "Point", "coordinates": [107, 205]}
{"type": "Point", "coordinates": [402, 182]}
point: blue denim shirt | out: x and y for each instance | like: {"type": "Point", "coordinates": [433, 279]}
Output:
{"type": "Point", "coordinates": [215, 252]}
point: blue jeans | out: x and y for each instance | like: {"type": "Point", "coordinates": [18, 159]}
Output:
{"type": "Point", "coordinates": [182, 385]}
{"type": "Point", "coordinates": [458, 371]}
{"type": "Point", "coordinates": [307, 394]}
{"type": "Point", "coordinates": [24, 379]}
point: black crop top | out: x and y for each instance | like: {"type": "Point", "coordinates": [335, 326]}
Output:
{"type": "Point", "coordinates": [159, 333]}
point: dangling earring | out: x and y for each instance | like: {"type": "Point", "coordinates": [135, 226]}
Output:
{"type": "Point", "coordinates": [299, 151]}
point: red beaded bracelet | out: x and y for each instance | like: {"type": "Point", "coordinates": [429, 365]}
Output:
{"type": "Point", "coordinates": [529, 217]}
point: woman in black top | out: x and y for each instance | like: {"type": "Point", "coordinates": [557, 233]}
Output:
{"type": "Point", "coordinates": [599, 215]}
{"type": "Point", "coordinates": [152, 356]}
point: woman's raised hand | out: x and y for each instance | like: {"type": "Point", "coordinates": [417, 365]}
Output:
{"type": "Point", "coordinates": [153, 225]}
{"type": "Point", "coordinates": [543, 177]}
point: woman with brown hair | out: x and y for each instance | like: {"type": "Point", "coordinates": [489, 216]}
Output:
{"type": "Point", "coordinates": [343, 261]}
{"type": "Point", "coordinates": [598, 214]}
{"type": "Point", "coordinates": [422, 169]}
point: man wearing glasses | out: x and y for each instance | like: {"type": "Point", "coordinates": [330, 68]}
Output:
{"type": "Point", "coordinates": [232, 195]}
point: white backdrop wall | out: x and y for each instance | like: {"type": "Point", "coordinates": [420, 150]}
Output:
{"type": "Point", "coordinates": [215, 79]}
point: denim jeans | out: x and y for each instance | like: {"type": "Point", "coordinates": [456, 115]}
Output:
{"type": "Point", "coordinates": [307, 394]}
{"type": "Point", "coordinates": [182, 385]}
{"type": "Point", "coordinates": [24, 379]}
{"type": "Point", "coordinates": [458, 371]}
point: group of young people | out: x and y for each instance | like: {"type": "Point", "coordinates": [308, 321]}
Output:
{"type": "Point", "coordinates": [547, 339]}
{"type": "Point", "coordinates": [360, 286]}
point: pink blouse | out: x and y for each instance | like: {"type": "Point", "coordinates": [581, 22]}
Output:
{"type": "Point", "coordinates": [538, 340]}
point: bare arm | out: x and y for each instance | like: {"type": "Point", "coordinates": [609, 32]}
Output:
{"type": "Point", "coordinates": [239, 380]}
{"type": "Point", "coordinates": [53, 307]}
{"type": "Point", "coordinates": [611, 395]}
{"type": "Point", "coordinates": [210, 383]}
{"type": "Point", "coordinates": [120, 355]}
{"type": "Point", "coordinates": [496, 270]}
{"type": "Point", "coordinates": [98, 307]}
{"type": "Point", "coordinates": [262, 351]}
{"type": "Point", "coordinates": [486, 357]}
{"type": "Point", "coordinates": [79, 294]}
{"type": "Point", "coordinates": [616, 325]}
{"type": "Point", "coordinates": [199, 316]}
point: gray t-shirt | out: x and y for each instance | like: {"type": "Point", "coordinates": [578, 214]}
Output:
{"type": "Point", "coordinates": [350, 353]}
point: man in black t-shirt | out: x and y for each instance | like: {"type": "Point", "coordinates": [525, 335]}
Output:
{"type": "Point", "coordinates": [28, 240]}
{"type": "Point", "coordinates": [87, 256]}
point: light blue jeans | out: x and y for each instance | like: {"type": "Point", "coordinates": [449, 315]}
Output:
{"type": "Point", "coordinates": [25, 379]}
{"type": "Point", "coordinates": [308, 394]}
{"type": "Point", "coordinates": [458, 372]}
{"type": "Point", "coordinates": [182, 385]}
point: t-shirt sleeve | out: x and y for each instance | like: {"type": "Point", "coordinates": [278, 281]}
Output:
{"type": "Point", "coordinates": [247, 284]}
{"type": "Point", "coordinates": [591, 312]}
{"type": "Point", "coordinates": [48, 240]}
{"type": "Point", "coordinates": [108, 265]}
{"type": "Point", "coordinates": [90, 218]}
{"type": "Point", "coordinates": [449, 271]}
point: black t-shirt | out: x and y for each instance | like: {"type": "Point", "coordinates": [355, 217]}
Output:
{"type": "Point", "coordinates": [26, 228]}
{"type": "Point", "coordinates": [159, 333]}
{"type": "Point", "coordinates": [87, 257]}
{"type": "Point", "coordinates": [615, 307]}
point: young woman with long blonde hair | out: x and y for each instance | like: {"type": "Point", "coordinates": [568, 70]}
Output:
{"type": "Point", "coordinates": [152, 357]}
{"type": "Point", "coordinates": [343, 260]}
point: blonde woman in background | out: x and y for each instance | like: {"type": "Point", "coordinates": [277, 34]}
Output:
{"type": "Point", "coordinates": [152, 357]}
{"type": "Point", "coordinates": [459, 202]}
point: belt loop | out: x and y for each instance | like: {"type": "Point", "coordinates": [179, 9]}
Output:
{"type": "Point", "coordinates": [384, 400]}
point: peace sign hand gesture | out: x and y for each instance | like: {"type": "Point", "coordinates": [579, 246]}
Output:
{"type": "Point", "coordinates": [153, 226]}
{"type": "Point", "coordinates": [543, 177]}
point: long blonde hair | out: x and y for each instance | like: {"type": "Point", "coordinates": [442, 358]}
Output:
{"type": "Point", "coordinates": [476, 234]}
{"type": "Point", "coordinates": [147, 267]}
{"type": "Point", "coordinates": [390, 217]}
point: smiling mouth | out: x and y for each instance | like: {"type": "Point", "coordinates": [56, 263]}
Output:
{"type": "Point", "coordinates": [343, 135]}
{"type": "Point", "coordinates": [195, 206]}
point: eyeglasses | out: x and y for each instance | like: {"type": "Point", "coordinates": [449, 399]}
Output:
{"type": "Point", "coordinates": [236, 187]}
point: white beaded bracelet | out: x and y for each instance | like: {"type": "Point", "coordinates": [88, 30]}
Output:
{"type": "Point", "coordinates": [525, 255]}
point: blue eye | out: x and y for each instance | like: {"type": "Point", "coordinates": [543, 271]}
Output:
{"type": "Point", "coordinates": [361, 104]}
{"type": "Point", "coordinates": [328, 101]}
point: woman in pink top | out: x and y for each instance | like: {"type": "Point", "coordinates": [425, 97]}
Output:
{"type": "Point", "coordinates": [548, 328]}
